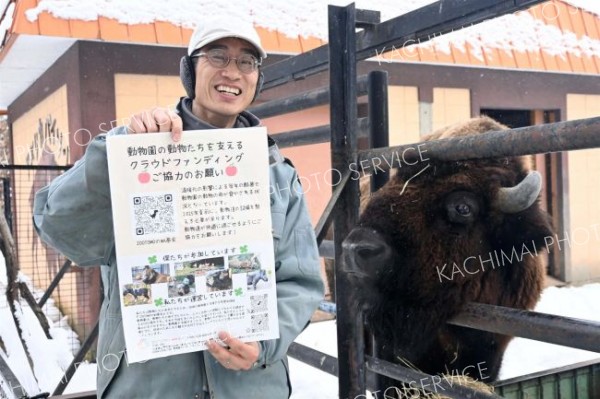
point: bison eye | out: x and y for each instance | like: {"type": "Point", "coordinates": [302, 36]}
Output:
{"type": "Point", "coordinates": [462, 207]}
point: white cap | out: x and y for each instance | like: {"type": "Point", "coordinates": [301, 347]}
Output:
{"type": "Point", "coordinates": [212, 29]}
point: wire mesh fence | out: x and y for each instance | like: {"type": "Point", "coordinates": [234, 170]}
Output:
{"type": "Point", "coordinates": [75, 302]}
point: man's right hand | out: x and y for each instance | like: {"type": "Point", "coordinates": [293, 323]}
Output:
{"type": "Point", "coordinates": [156, 120]}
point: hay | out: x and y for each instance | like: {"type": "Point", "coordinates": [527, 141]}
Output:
{"type": "Point", "coordinates": [451, 379]}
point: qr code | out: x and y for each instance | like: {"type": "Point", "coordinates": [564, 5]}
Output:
{"type": "Point", "coordinates": [260, 322]}
{"type": "Point", "coordinates": [154, 214]}
{"type": "Point", "coordinates": [259, 303]}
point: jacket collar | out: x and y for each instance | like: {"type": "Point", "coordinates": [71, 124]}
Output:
{"type": "Point", "coordinates": [192, 122]}
{"type": "Point", "coordinates": [244, 119]}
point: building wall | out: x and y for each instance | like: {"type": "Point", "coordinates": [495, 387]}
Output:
{"type": "Point", "coordinates": [40, 136]}
{"type": "Point", "coordinates": [134, 92]}
{"type": "Point", "coordinates": [583, 191]}
{"type": "Point", "coordinates": [403, 111]}
{"type": "Point", "coordinates": [406, 123]}
{"type": "Point", "coordinates": [34, 140]}
{"type": "Point", "coordinates": [450, 106]}
{"type": "Point", "coordinates": [313, 162]}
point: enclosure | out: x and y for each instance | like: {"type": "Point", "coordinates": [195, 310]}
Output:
{"type": "Point", "coordinates": [357, 141]}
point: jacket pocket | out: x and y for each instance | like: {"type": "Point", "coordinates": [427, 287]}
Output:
{"type": "Point", "coordinates": [278, 222]}
{"type": "Point", "coordinates": [307, 251]}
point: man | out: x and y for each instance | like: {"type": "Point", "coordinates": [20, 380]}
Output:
{"type": "Point", "coordinates": [222, 77]}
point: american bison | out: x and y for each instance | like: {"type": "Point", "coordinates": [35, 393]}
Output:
{"type": "Point", "coordinates": [459, 232]}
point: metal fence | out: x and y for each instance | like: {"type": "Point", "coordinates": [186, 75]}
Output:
{"type": "Point", "coordinates": [356, 369]}
{"type": "Point", "coordinates": [69, 296]}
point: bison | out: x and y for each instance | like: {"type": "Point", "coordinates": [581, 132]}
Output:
{"type": "Point", "coordinates": [423, 250]}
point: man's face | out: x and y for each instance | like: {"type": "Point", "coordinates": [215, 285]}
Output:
{"type": "Point", "coordinates": [221, 94]}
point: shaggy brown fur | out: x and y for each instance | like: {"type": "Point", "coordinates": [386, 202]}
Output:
{"type": "Point", "coordinates": [151, 276]}
{"type": "Point", "coordinates": [406, 305]}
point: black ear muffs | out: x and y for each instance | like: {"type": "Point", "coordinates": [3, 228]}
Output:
{"type": "Point", "coordinates": [259, 84]}
{"type": "Point", "coordinates": [187, 73]}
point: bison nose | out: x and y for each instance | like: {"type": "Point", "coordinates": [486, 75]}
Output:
{"type": "Point", "coordinates": [364, 249]}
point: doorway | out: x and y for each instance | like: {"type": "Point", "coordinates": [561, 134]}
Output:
{"type": "Point", "coordinates": [552, 167]}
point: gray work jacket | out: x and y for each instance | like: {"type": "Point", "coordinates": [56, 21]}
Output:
{"type": "Point", "coordinates": [73, 214]}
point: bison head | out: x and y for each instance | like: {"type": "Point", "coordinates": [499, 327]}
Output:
{"type": "Point", "coordinates": [427, 243]}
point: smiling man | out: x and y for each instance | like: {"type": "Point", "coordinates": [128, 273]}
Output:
{"type": "Point", "coordinates": [221, 75]}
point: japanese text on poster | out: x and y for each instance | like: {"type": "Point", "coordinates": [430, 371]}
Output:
{"type": "Point", "coordinates": [193, 237]}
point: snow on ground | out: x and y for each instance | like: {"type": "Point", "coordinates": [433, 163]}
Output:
{"type": "Point", "coordinates": [50, 357]}
{"type": "Point", "coordinates": [16, 358]}
{"type": "Point", "coordinates": [522, 356]}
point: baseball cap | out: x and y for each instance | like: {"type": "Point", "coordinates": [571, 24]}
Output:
{"type": "Point", "coordinates": [213, 29]}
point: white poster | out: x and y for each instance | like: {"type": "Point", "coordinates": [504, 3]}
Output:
{"type": "Point", "coordinates": [193, 237]}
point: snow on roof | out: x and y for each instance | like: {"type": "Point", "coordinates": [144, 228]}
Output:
{"type": "Point", "coordinates": [7, 21]}
{"type": "Point", "coordinates": [520, 32]}
{"type": "Point", "coordinates": [592, 6]}
{"type": "Point", "coordinates": [306, 18]}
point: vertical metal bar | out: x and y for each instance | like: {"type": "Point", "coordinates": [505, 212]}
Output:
{"type": "Point", "coordinates": [378, 122]}
{"type": "Point", "coordinates": [9, 384]}
{"type": "Point", "coordinates": [343, 111]}
{"type": "Point", "coordinates": [55, 281]}
{"type": "Point", "coordinates": [70, 372]}
{"type": "Point", "coordinates": [7, 202]}
{"type": "Point", "coordinates": [379, 137]}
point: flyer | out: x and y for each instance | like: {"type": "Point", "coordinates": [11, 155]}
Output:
{"type": "Point", "coordinates": [193, 238]}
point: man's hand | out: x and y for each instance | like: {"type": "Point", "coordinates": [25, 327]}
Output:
{"type": "Point", "coordinates": [236, 355]}
{"type": "Point", "coordinates": [156, 120]}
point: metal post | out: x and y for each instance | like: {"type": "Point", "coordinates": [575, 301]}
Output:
{"type": "Point", "coordinates": [55, 281]}
{"type": "Point", "coordinates": [342, 78]}
{"type": "Point", "coordinates": [7, 202]}
{"type": "Point", "coordinates": [379, 122]}
{"type": "Point", "coordinates": [378, 137]}
{"type": "Point", "coordinates": [70, 372]}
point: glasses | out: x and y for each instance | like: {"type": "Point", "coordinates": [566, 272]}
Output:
{"type": "Point", "coordinates": [218, 58]}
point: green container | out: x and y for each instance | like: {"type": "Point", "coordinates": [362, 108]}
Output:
{"type": "Point", "coordinates": [578, 381]}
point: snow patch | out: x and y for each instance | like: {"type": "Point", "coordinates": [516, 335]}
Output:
{"type": "Point", "coordinates": [307, 18]}
{"type": "Point", "coordinates": [16, 358]}
{"type": "Point", "coordinates": [520, 31]}
{"type": "Point", "coordinates": [592, 6]}
{"type": "Point", "coordinates": [51, 357]}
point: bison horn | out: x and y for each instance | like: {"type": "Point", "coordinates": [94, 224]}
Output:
{"type": "Point", "coordinates": [520, 197]}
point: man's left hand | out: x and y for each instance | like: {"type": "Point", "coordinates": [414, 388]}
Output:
{"type": "Point", "coordinates": [236, 355]}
